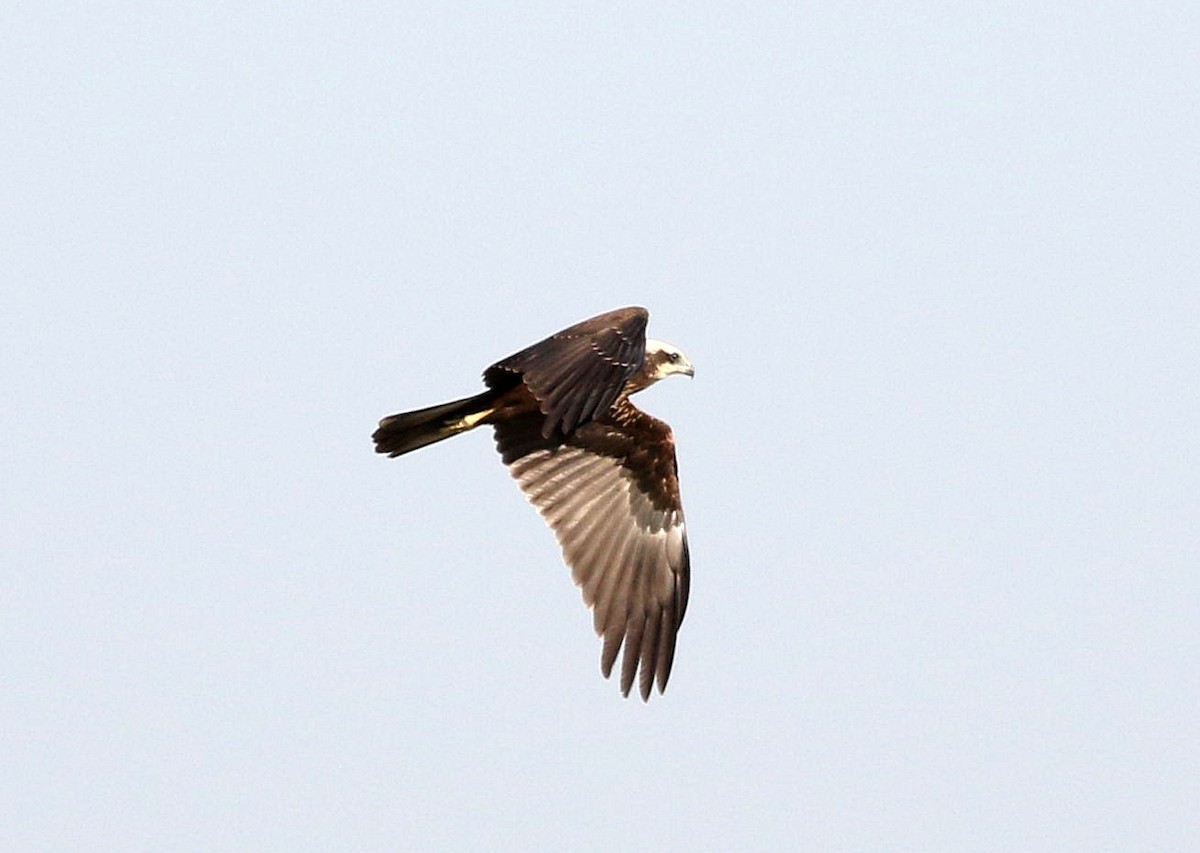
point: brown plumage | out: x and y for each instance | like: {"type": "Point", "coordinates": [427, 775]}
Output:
{"type": "Point", "coordinates": [599, 470]}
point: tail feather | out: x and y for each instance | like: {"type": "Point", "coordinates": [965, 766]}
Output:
{"type": "Point", "coordinates": [409, 431]}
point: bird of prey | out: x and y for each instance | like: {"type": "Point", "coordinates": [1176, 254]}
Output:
{"type": "Point", "coordinates": [600, 471]}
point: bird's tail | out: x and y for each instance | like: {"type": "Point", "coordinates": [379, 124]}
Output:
{"type": "Point", "coordinates": [409, 431]}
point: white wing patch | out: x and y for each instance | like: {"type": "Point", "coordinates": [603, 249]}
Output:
{"type": "Point", "coordinates": [625, 555]}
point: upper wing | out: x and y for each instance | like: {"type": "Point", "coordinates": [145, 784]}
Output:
{"type": "Point", "coordinates": [577, 373]}
{"type": "Point", "coordinates": [611, 494]}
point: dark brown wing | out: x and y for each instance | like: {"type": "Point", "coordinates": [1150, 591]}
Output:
{"type": "Point", "coordinates": [610, 492]}
{"type": "Point", "coordinates": [577, 373]}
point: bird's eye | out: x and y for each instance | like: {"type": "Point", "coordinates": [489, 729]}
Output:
{"type": "Point", "coordinates": [674, 356]}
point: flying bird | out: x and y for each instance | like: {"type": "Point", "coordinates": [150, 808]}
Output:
{"type": "Point", "coordinates": [600, 471]}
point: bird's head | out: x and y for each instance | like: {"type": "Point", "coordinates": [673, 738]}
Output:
{"type": "Point", "coordinates": [663, 360]}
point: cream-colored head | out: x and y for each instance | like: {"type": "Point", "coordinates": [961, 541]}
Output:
{"type": "Point", "coordinates": [663, 360]}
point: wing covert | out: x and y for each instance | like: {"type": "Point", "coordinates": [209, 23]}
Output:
{"type": "Point", "coordinates": [578, 373]}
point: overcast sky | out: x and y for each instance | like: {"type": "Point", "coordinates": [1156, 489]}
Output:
{"type": "Point", "coordinates": [937, 267]}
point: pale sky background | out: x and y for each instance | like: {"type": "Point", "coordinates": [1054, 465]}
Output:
{"type": "Point", "coordinates": [938, 267]}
